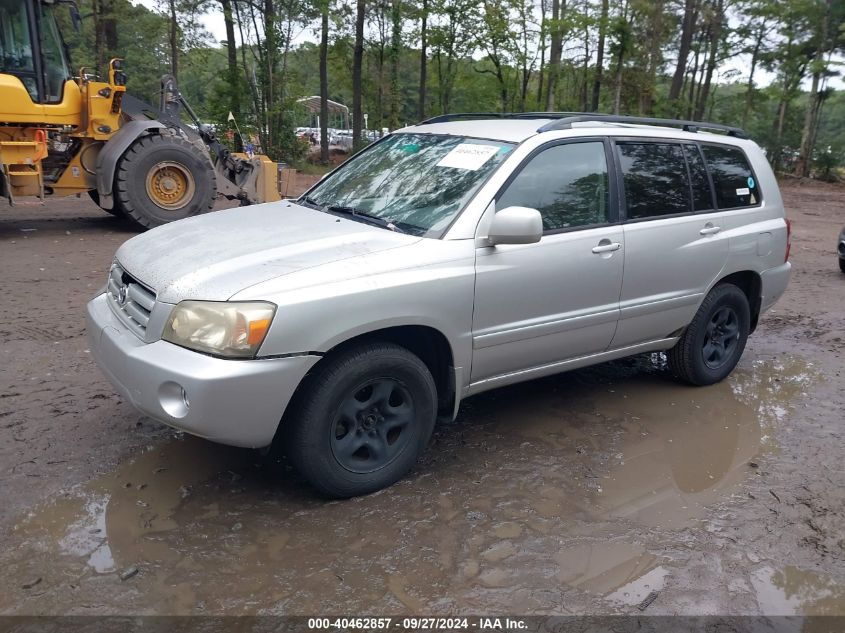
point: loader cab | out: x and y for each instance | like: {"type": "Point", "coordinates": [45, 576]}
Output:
{"type": "Point", "coordinates": [32, 49]}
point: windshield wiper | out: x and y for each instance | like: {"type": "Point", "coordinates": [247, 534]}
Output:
{"type": "Point", "coordinates": [310, 202]}
{"type": "Point", "coordinates": [366, 217]}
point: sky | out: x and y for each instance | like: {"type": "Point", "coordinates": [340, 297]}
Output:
{"type": "Point", "coordinates": [213, 23]}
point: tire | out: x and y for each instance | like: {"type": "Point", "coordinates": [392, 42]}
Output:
{"type": "Point", "coordinates": [699, 357]}
{"type": "Point", "coordinates": [162, 178]}
{"type": "Point", "coordinates": [842, 264]}
{"type": "Point", "coordinates": [361, 420]}
{"type": "Point", "coordinates": [116, 211]}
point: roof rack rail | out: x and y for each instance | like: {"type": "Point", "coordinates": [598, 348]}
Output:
{"type": "Point", "coordinates": [443, 118]}
{"type": "Point", "coordinates": [565, 123]}
{"type": "Point", "coordinates": [564, 120]}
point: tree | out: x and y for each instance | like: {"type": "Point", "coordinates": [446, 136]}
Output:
{"type": "Point", "coordinates": [622, 43]}
{"type": "Point", "coordinates": [324, 82]}
{"type": "Point", "coordinates": [715, 33]}
{"type": "Point", "coordinates": [424, 9]}
{"type": "Point", "coordinates": [395, 52]}
{"type": "Point", "coordinates": [687, 30]}
{"type": "Point", "coordinates": [555, 50]}
{"type": "Point", "coordinates": [357, 86]}
{"type": "Point", "coordinates": [823, 42]}
{"type": "Point", "coordinates": [453, 38]}
{"type": "Point", "coordinates": [594, 105]}
{"type": "Point", "coordinates": [233, 76]}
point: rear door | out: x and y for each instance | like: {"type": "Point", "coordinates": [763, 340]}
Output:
{"type": "Point", "coordinates": [675, 245]}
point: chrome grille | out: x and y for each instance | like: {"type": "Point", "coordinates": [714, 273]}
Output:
{"type": "Point", "coordinates": [131, 300]}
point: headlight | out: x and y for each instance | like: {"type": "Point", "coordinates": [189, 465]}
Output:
{"type": "Point", "coordinates": [234, 329]}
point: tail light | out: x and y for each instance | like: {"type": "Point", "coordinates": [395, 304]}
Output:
{"type": "Point", "coordinates": [788, 240]}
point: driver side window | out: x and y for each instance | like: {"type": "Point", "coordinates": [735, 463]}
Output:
{"type": "Point", "coordinates": [568, 184]}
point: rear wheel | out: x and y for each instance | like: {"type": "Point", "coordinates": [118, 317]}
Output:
{"type": "Point", "coordinates": [162, 178]}
{"type": "Point", "coordinates": [361, 420]}
{"type": "Point", "coordinates": [712, 344]}
{"type": "Point", "coordinates": [842, 265]}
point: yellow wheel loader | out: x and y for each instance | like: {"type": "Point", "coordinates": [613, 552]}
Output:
{"type": "Point", "coordinates": [63, 135]}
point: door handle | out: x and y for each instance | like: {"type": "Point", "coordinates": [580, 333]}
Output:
{"type": "Point", "coordinates": [606, 246]}
{"type": "Point", "coordinates": [709, 229]}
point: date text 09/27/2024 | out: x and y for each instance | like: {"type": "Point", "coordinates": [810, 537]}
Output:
{"type": "Point", "coordinates": [418, 624]}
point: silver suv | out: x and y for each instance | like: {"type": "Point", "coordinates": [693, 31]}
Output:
{"type": "Point", "coordinates": [451, 257]}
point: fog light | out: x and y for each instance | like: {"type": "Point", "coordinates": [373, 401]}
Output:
{"type": "Point", "coordinates": [173, 399]}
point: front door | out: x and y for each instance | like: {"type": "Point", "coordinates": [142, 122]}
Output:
{"type": "Point", "coordinates": [539, 304]}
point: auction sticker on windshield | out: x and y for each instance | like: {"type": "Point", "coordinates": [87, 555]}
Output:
{"type": "Point", "coordinates": [468, 156]}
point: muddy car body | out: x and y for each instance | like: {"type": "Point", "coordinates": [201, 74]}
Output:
{"type": "Point", "coordinates": [518, 248]}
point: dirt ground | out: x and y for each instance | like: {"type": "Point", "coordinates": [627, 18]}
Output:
{"type": "Point", "coordinates": [580, 493]}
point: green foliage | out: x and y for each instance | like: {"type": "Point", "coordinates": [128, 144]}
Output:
{"type": "Point", "coordinates": [490, 55]}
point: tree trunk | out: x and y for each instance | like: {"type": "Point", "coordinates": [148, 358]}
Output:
{"type": "Point", "coordinates": [99, 48]}
{"type": "Point", "coordinates": [542, 69]}
{"type": "Point", "coordinates": [715, 40]}
{"type": "Point", "coordinates": [777, 153]}
{"type": "Point", "coordinates": [655, 35]}
{"type": "Point", "coordinates": [395, 50]}
{"type": "Point", "coordinates": [620, 61]}
{"type": "Point", "coordinates": [599, 57]}
{"type": "Point", "coordinates": [805, 153]}
{"type": "Point", "coordinates": [270, 52]}
{"type": "Point", "coordinates": [174, 41]}
{"type": "Point", "coordinates": [357, 88]}
{"type": "Point", "coordinates": [755, 56]}
{"type": "Point", "coordinates": [555, 52]}
{"type": "Point", "coordinates": [256, 100]}
{"type": "Point", "coordinates": [324, 84]}
{"type": "Point", "coordinates": [690, 15]}
{"type": "Point", "coordinates": [617, 94]}
{"type": "Point", "coordinates": [423, 59]}
{"type": "Point", "coordinates": [232, 57]}
{"type": "Point", "coordinates": [585, 79]}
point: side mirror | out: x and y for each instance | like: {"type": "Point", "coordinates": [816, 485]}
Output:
{"type": "Point", "coordinates": [515, 225]}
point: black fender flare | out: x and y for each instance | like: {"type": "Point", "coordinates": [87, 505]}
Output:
{"type": "Point", "coordinates": [109, 156]}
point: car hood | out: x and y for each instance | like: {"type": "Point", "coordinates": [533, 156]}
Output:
{"type": "Point", "coordinates": [212, 257]}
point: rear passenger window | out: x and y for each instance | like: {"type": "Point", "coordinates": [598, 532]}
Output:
{"type": "Point", "coordinates": [735, 184]}
{"type": "Point", "coordinates": [567, 184]}
{"type": "Point", "coordinates": [700, 185]}
{"type": "Point", "coordinates": [655, 176]}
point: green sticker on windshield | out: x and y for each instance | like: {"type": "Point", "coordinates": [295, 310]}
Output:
{"type": "Point", "coordinates": [410, 148]}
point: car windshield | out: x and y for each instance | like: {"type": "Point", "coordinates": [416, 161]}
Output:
{"type": "Point", "coordinates": [414, 183]}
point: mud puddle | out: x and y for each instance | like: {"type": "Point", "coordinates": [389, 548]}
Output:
{"type": "Point", "coordinates": [542, 498]}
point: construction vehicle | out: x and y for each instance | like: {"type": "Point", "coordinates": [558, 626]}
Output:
{"type": "Point", "coordinates": [62, 135]}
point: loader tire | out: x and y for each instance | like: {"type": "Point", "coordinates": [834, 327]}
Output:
{"type": "Point", "coordinates": [162, 178]}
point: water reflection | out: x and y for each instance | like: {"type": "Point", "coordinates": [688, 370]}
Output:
{"type": "Point", "coordinates": [551, 488]}
{"type": "Point", "coordinates": [794, 591]}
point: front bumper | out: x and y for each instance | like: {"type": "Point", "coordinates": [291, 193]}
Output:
{"type": "Point", "coordinates": [774, 282]}
{"type": "Point", "coordinates": [237, 402]}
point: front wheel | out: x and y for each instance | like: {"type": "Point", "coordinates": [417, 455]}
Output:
{"type": "Point", "coordinates": [361, 420]}
{"type": "Point", "coordinates": [712, 344]}
{"type": "Point", "coordinates": [842, 264]}
{"type": "Point", "coordinates": [162, 178]}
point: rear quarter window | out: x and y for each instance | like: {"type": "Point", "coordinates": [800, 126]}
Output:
{"type": "Point", "coordinates": [733, 180]}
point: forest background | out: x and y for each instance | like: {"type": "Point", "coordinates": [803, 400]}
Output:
{"type": "Point", "coordinates": [772, 67]}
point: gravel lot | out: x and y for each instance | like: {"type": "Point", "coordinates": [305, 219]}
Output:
{"type": "Point", "coordinates": [580, 493]}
